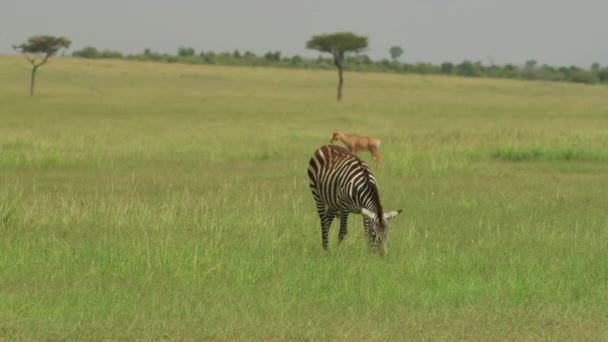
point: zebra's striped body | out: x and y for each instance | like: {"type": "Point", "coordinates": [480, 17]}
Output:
{"type": "Point", "coordinates": [342, 184]}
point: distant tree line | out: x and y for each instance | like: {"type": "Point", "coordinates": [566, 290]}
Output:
{"type": "Point", "coordinates": [362, 62]}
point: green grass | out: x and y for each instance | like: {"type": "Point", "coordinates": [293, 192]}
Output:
{"type": "Point", "coordinates": [156, 201]}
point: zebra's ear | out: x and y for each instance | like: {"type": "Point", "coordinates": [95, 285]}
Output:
{"type": "Point", "coordinates": [368, 214]}
{"type": "Point", "coordinates": [390, 215]}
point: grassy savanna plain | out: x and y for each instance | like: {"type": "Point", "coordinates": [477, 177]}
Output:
{"type": "Point", "coordinates": [159, 201]}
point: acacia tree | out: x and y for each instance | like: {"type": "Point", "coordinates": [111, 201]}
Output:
{"type": "Point", "coordinates": [38, 49]}
{"type": "Point", "coordinates": [338, 44]}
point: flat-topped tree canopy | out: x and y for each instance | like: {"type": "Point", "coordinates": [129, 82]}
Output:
{"type": "Point", "coordinates": [338, 44]}
{"type": "Point", "coordinates": [47, 45]}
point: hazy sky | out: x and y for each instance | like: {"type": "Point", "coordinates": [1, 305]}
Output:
{"type": "Point", "coordinates": [557, 32]}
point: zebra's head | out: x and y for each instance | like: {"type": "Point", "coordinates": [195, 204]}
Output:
{"type": "Point", "coordinates": [378, 226]}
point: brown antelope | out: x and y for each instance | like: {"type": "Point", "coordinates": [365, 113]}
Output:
{"type": "Point", "coordinates": [356, 143]}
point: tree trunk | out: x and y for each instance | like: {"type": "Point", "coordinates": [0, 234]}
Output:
{"type": "Point", "coordinates": [338, 63]}
{"type": "Point", "coordinates": [33, 80]}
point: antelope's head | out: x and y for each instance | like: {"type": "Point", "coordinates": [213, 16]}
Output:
{"type": "Point", "coordinates": [337, 134]}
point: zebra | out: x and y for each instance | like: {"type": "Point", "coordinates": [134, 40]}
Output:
{"type": "Point", "coordinates": [341, 184]}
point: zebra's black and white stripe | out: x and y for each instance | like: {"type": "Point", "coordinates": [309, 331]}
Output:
{"type": "Point", "coordinates": [342, 184]}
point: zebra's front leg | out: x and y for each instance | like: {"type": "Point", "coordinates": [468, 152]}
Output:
{"type": "Point", "coordinates": [343, 222]}
{"type": "Point", "coordinates": [327, 218]}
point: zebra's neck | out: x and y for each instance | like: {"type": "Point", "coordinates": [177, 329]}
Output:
{"type": "Point", "coordinates": [375, 208]}
{"type": "Point", "coordinates": [371, 200]}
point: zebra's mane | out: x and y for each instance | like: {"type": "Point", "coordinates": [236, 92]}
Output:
{"type": "Point", "coordinates": [375, 192]}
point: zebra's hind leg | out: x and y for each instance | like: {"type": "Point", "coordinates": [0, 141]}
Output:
{"type": "Point", "coordinates": [343, 221]}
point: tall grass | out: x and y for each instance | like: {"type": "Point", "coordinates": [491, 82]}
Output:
{"type": "Point", "coordinates": [151, 201]}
